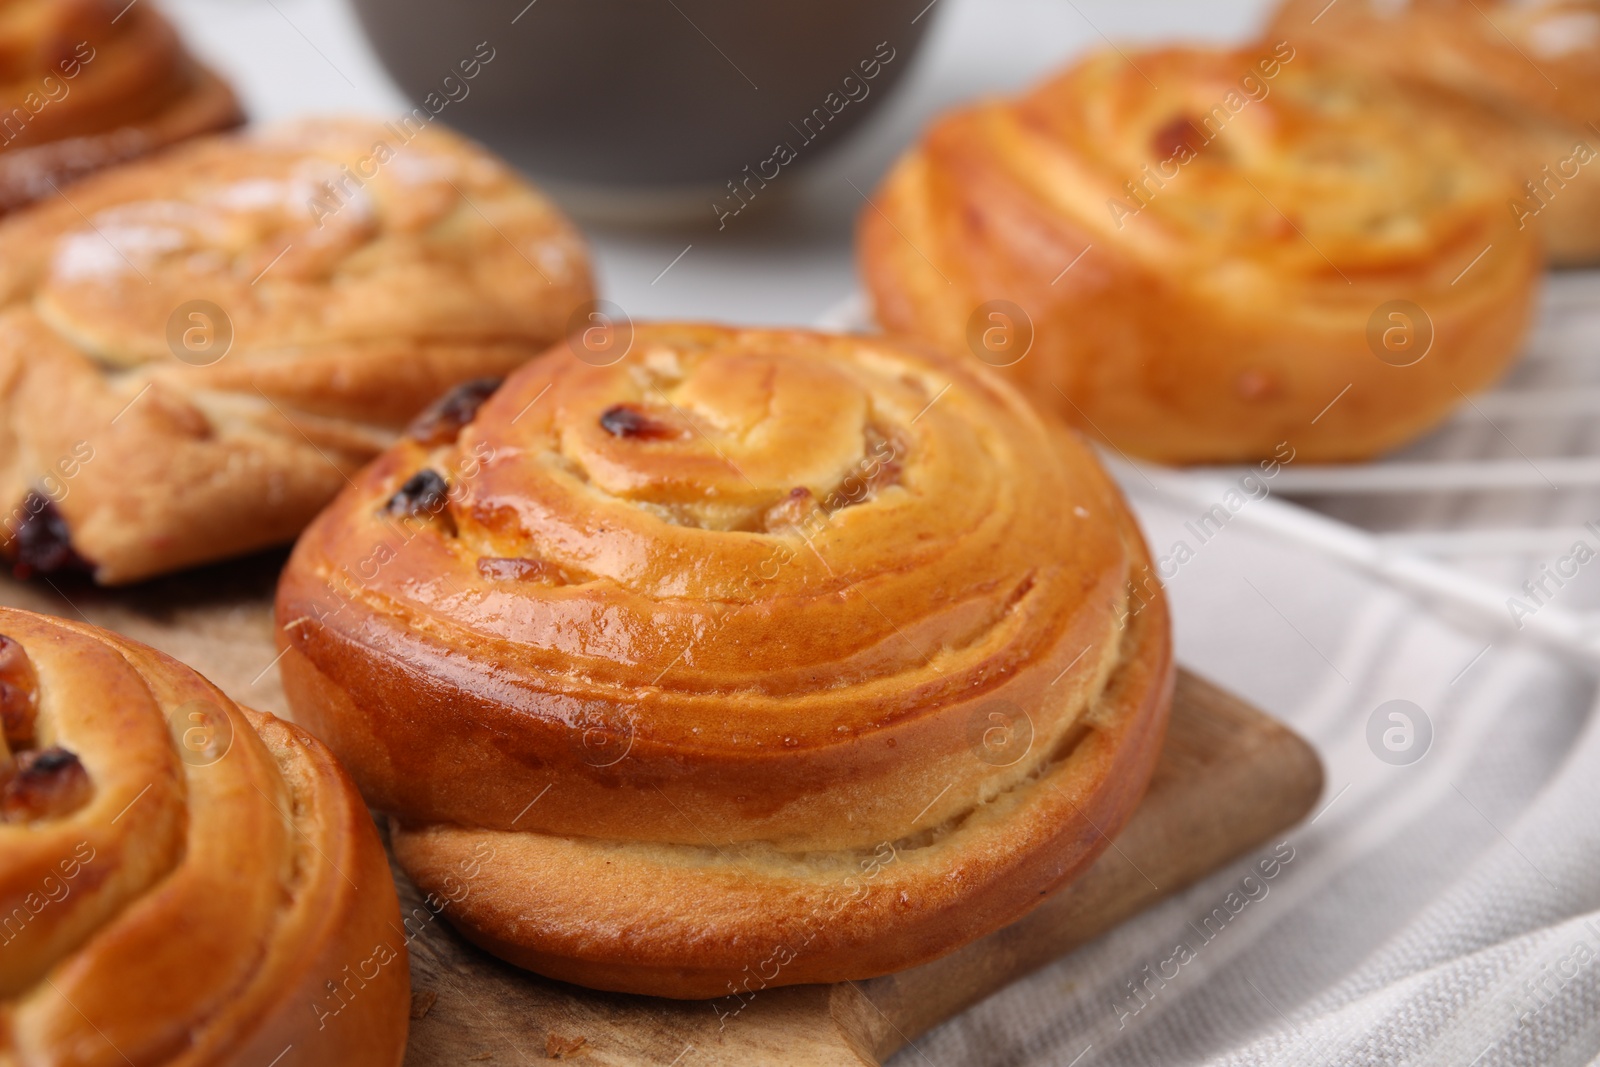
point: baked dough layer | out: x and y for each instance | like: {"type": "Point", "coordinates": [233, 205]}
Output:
{"type": "Point", "coordinates": [197, 351]}
{"type": "Point", "coordinates": [205, 890]}
{"type": "Point", "coordinates": [85, 84]}
{"type": "Point", "coordinates": [669, 653]}
{"type": "Point", "coordinates": [1207, 266]}
{"type": "Point", "coordinates": [1521, 79]}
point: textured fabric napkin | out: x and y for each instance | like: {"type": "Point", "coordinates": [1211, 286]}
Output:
{"type": "Point", "coordinates": [1443, 905]}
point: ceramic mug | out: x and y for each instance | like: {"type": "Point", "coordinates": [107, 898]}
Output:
{"type": "Point", "coordinates": [649, 99]}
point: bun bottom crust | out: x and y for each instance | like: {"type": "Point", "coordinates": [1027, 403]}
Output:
{"type": "Point", "coordinates": [691, 922]}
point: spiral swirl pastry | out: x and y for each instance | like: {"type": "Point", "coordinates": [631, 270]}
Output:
{"type": "Point", "coordinates": [85, 84]}
{"type": "Point", "coordinates": [1520, 77]}
{"type": "Point", "coordinates": [182, 880]}
{"type": "Point", "coordinates": [752, 658]}
{"type": "Point", "coordinates": [1204, 256]}
{"type": "Point", "coordinates": [197, 350]}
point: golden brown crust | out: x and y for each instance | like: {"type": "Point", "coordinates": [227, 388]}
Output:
{"type": "Point", "coordinates": [1522, 79]}
{"type": "Point", "coordinates": [661, 653]}
{"type": "Point", "coordinates": [1238, 233]}
{"type": "Point", "coordinates": [85, 84]}
{"type": "Point", "coordinates": [362, 270]}
{"type": "Point", "coordinates": [222, 873]}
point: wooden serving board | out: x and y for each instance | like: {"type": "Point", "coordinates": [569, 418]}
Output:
{"type": "Point", "coordinates": [1229, 779]}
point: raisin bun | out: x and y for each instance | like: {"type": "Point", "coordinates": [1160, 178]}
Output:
{"type": "Point", "coordinates": [749, 650]}
{"type": "Point", "coordinates": [198, 350]}
{"type": "Point", "coordinates": [85, 84]}
{"type": "Point", "coordinates": [183, 881]}
{"type": "Point", "coordinates": [1202, 255]}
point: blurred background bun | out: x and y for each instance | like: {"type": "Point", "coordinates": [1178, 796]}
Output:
{"type": "Point", "coordinates": [1194, 273]}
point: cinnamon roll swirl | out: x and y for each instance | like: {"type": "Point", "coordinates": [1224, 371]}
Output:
{"type": "Point", "coordinates": [1201, 256]}
{"type": "Point", "coordinates": [182, 881]}
{"type": "Point", "coordinates": [752, 658]}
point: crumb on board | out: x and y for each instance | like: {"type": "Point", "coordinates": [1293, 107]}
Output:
{"type": "Point", "coordinates": [421, 1001]}
{"type": "Point", "coordinates": [557, 1047]}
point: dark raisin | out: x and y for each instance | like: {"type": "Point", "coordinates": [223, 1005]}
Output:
{"type": "Point", "coordinates": [441, 422]}
{"type": "Point", "coordinates": [41, 542]}
{"type": "Point", "coordinates": [625, 420]}
{"type": "Point", "coordinates": [47, 784]}
{"type": "Point", "coordinates": [1178, 134]}
{"type": "Point", "coordinates": [19, 698]}
{"type": "Point", "coordinates": [425, 493]}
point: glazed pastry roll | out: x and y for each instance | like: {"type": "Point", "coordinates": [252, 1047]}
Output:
{"type": "Point", "coordinates": [1521, 79]}
{"type": "Point", "coordinates": [85, 84]}
{"type": "Point", "coordinates": [754, 657]}
{"type": "Point", "coordinates": [1210, 256]}
{"type": "Point", "coordinates": [197, 351]}
{"type": "Point", "coordinates": [182, 881]}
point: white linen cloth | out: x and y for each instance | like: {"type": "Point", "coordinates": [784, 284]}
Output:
{"type": "Point", "coordinates": [1441, 912]}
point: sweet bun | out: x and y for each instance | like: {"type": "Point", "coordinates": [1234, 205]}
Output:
{"type": "Point", "coordinates": [197, 350]}
{"type": "Point", "coordinates": [1266, 253]}
{"type": "Point", "coordinates": [770, 653]}
{"type": "Point", "coordinates": [85, 84]}
{"type": "Point", "coordinates": [182, 881]}
{"type": "Point", "coordinates": [1521, 78]}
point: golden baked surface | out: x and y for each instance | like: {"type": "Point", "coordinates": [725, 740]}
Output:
{"type": "Point", "coordinates": [197, 350]}
{"type": "Point", "coordinates": [180, 878]}
{"type": "Point", "coordinates": [1521, 78]}
{"type": "Point", "coordinates": [1203, 263]}
{"type": "Point", "coordinates": [750, 642]}
{"type": "Point", "coordinates": [1539, 56]}
{"type": "Point", "coordinates": [88, 83]}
